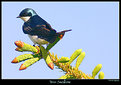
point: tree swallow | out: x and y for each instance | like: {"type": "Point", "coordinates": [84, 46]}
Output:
{"type": "Point", "coordinates": [38, 30]}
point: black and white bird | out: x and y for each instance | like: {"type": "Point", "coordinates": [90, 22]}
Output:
{"type": "Point", "coordinates": [38, 30]}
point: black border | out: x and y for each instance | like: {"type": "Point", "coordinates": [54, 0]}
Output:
{"type": "Point", "coordinates": [65, 81]}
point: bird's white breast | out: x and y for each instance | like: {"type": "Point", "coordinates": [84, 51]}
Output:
{"type": "Point", "coordinates": [37, 40]}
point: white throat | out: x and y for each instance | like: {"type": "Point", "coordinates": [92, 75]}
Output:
{"type": "Point", "coordinates": [25, 18]}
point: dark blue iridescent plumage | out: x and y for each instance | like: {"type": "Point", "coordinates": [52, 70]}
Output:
{"type": "Point", "coordinates": [36, 26]}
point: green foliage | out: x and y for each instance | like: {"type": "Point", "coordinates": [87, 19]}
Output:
{"type": "Point", "coordinates": [101, 75]}
{"type": "Point", "coordinates": [80, 59]}
{"type": "Point", "coordinates": [63, 60]}
{"type": "Point", "coordinates": [31, 61]}
{"type": "Point", "coordinates": [75, 55]}
{"type": "Point", "coordinates": [96, 70]}
{"type": "Point", "coordinates": [67, 76]}
{"type": "Point", "coordinates": [25, 56]}
{"type": "Point", "coordinates": [21, 46]}
{"type": "Point", "coordinates": [62, 63]}
{"type": "Point", "coordinates": [52, 44]}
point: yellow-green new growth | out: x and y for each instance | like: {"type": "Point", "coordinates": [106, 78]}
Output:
{"type": "Point", "coordinates": [101, 75]}
{"type": "Point", "coordinates": [96, 70]}
{"type": "Point", "coordinates": [46, 57]}
{"type": "Point", "coordinates": [80, 59]}
{"type": "Point", "coordinates": [63, 77]}
{"type": "Point", "coordinates": [52, 44]}
{"type": "Point", "coordinates": [21, 46]}
{"type": "Point", "coordinates": [72, 72]}
{"type": "Point", "coordinates": [75, 55]}
{"type": "Point", "coordinates": [67, 76]}
{"type": "Point", "coordinates": [30, 48]}
{"type": "Point", "coordinates": [31, 61]}
{"type": "Point", "coordinates": [63, 60]}
{"type": "Point", "coordinates": [24, 57]}
{"type": "Point", "coordinates": [62, 63]}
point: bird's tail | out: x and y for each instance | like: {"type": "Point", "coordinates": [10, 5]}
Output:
{"type": "Point", "coordinates": [66, 31]}
{"type": "Point", "coordinates": [58, 34]}
{"type": "Point", "coordinates": [61, 34]}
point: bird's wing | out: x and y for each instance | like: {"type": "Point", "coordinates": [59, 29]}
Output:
{"type": "Point", "coordinates": [41, 31]}
{"type": "Point", "coordinates": [38, 30]}
{"type": "Point", "coordinates": [38, 26]}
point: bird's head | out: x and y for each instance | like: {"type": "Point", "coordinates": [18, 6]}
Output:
{"type": "Point", "coordinates": [26, 14]}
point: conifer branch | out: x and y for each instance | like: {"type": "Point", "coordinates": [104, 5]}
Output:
{"type": "Point", "coordinates": [62, 63]}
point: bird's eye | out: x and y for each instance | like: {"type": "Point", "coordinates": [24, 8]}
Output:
{"type": "Point", "coordinates": [29, 14]}
{"type": "Point", "coordinates": [23, 14]}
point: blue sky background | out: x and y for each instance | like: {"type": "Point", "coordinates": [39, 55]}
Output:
{"type": "Point", "coordinates": [95, 29]}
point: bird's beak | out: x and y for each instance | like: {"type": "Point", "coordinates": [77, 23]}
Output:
{"type": "Point", "coordinates": [18, 17]}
